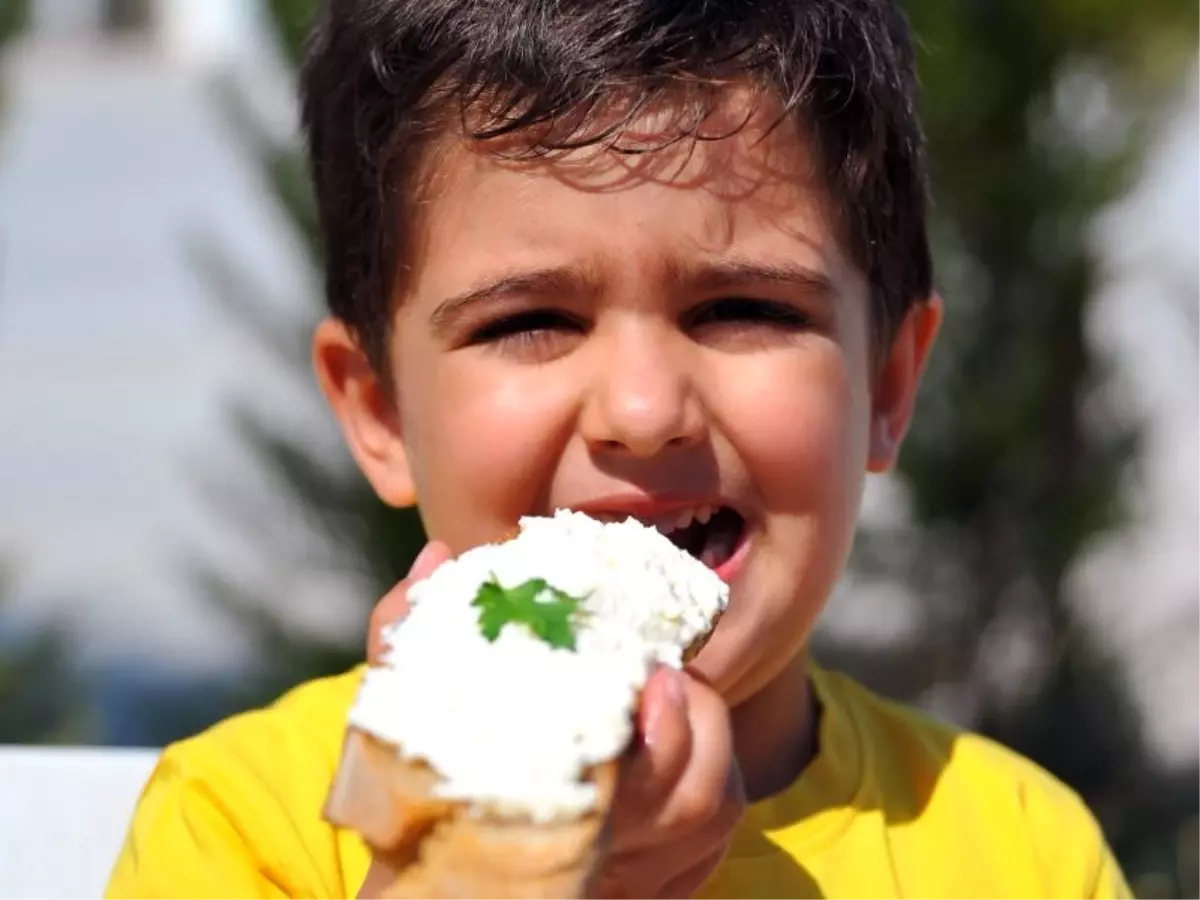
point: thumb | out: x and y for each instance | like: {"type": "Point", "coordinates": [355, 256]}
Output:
{"type": "Point", "coordinates": [394, 605]}
{"type": "Point", "coordinates": [666, 744]}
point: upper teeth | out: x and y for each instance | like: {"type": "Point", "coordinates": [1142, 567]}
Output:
{"type": "Point", "coordinates": [669, 522]}
{"type": "Point", "coordinates": [682, 518]}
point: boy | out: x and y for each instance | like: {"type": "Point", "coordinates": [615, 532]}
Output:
{"type": "Point", "coordinates": [641, 257]}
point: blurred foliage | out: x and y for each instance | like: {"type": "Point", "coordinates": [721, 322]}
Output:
{"type": "Point", "coordinates": [41, 701]}
{"type": "Point", "coordinates": [1038, 117]}
{"type": "Point", "coordinates": [1016, 467]}
{"type": "Point", "coordinates": [14, 14]}
{"type": "Point", "coordinates": [292, 20]}
{"type": "Point", "coordinates": [126, 15]}
{"type": "Point", "coordinates": [359, 535]}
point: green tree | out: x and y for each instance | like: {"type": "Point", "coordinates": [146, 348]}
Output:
{"type": "Point", "coordinates": [14, 14]}
{"type": "Point", "coordinates": [40, 692]}
{"type": "Point", "coordinates": [125, 15]}
{"type": "Point", "coordinates": [1038, 116]}
{"type": "Point", "coordinates": [357, 535]}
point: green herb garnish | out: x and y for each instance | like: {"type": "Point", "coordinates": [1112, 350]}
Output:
{"type": "Point", "coordinates": [547, 617]}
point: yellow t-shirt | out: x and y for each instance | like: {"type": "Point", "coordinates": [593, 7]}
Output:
{"type": "Point", "coordinates": [895, 805]}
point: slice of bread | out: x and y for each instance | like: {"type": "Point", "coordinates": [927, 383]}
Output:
{"type": "Point", "coordinates": [429, 837]}
{"type": "Point", "coordinates": [440, 848]}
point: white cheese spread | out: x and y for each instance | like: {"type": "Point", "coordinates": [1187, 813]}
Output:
{"type": "Point", "coordinates": [512, 724]}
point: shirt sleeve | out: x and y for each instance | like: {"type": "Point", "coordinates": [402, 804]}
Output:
{"type": "Point", "coordinates": [236, 812]}
{"type": "Point", "coordinates": [1110, 880]}
{"type": "Point", "coordinates": [1076, 858]}
{"type": "Point", "coordinates": [186, 841]}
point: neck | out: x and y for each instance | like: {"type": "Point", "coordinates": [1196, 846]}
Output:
{"type": "Point", "coordinates": [775, 731]}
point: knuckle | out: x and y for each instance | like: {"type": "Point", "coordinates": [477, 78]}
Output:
{"type": "Point", "coordinates": [621, 878]}
{"type": "Point", "coordinates": [699, 807]}
{"type": "Point", "coordinates": [704, 698]}
{"type": "Point", "coordinates": [690, 881]}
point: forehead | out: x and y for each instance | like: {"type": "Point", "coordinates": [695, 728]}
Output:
{"type": "Point", "coordinates": [665, 190]}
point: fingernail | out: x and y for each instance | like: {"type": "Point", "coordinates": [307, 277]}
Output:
{"type": "Point", "coordinates": [673, 690]}
{"type": "Point", "coordinates": [673, 703]}
{"type": "Point", "coordinates": [422, 559]}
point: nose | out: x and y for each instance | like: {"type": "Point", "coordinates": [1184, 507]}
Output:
{"type": "Point", "coordinates": [644, 399]}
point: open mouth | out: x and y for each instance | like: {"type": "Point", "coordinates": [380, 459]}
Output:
{"type": "Point", "coordinates": [712, 534]}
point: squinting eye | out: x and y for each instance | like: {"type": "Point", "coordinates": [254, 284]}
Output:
{"type": "Point", "coordinates": [746, 311]}
{"type": "Point", "coordinates": [536, 331]}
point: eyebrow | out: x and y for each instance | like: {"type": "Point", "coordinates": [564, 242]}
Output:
{"type": "Point", "coordinates": [739, 272]}
{"type": "Point", "coordinates": [535, 285]}
{"type": "Point", "coordinates": [575, 282]}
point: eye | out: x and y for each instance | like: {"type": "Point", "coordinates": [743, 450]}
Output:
{"type": "Point", "coordinates": [537, 332]}
{"type": "Point", "coordinates": [732, 316]}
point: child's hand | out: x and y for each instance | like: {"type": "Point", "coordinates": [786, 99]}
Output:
{"type": "Point", "coordinates": [394, 605]}
{"type": "Point", "coordinates": [679, 796]}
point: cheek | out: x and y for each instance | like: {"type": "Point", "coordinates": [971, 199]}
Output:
{"type": "Point", "coordinates": [481, 440]}
{"type": "Point", "coordinates": [804, 448]}
{"type": "Point", "coordinates": [801, 428]}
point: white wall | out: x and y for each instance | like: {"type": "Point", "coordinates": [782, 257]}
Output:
{"type": "Point", "coordinates": [63, 816]}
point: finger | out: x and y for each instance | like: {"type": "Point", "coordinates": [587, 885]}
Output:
{"type": "Point", "coordinates": [394, 605]}
{"type": "Point", "coordinates": [650, 771]}
{"type": "Point", "coordinates": [379, 877]}
{"type": "Point", "coordinates": [673, 870]}
{"type": "Point", "coordinates": [707, 791]}
{"type": "Point", "coordinates": [689, 882]}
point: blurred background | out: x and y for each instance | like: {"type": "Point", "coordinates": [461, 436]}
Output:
{"type": "Point", "coordinates": [182, 535]}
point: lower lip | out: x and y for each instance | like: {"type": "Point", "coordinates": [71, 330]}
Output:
{"type": "Point", "coordinates": [732, 567]}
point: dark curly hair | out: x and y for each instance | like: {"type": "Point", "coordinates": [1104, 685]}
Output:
{"type": "Point", "coordinates": [382, 79]}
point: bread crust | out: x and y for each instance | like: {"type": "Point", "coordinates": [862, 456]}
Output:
{"type": "Point", "coordinates": [441, 848]}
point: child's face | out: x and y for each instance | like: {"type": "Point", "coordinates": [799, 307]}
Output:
{"type": "Point", "coordinates": [640, 335]}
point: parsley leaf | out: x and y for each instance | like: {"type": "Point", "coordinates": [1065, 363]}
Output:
{"type": "Point", "coordinates": [549, 619]}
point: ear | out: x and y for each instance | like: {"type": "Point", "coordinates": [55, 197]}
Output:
{"type": "Point", "coordinates": [365, 409]}
{"type": "Point", "coordinates": [898, 379]}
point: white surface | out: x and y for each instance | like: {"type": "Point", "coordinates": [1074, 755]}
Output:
{"type": "Point", "coordinates": [63, 816]}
